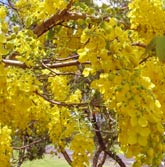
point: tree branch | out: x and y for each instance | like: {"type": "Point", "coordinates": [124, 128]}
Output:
{"type": "Point", "coordinates": [61, 16]}
{"type": "Point", "coordinates": [66, 64]}
{"type": "Point", "coordinates": [52, 21]}
{"type": "Point", "coordinates": [75, 56]}
{"type": "Point", "coordinates": [15, 63]}
{"type": "Point", "coordinates": [116, 158]}
{"type": "Point", "coordinates": [66, 156]}
{"type": "Point", "coordinates": [28, 145]}
{"type": "Point", "coordinates": [103, 159]}
{"type": "Point", "coordinates": [58, 73]}
{"type": "Point", "coordinates": [139, 44]}
{"type": "Point", "coordinates": [65, 104]}
{"type": "Point", "coordinates": [98, 134]}
{"type": "Point", "coordinates": [102, 144]}
{"type": "Point", "coordinates": [20, 64]}
{"type": "Point", "coordinates": [10, 4]}
{"type": "Point", "coordinates": [96, 157]}
{"type": "Point", "coordinates": [65, 16]}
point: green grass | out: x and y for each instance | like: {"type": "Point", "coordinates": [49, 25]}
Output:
{"type": "Point", "coordinates": [48, 161]}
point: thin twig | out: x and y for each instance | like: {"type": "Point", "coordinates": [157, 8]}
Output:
{"type": "Point", "coordinates": [145, 59]}
{"type": "Point", "coordinates": [75, 56]}
{"type": "Point", "coordinates": [62, 103]}
{"type": "Point", "coordinates": [57, 73]}
{"type": "Point", "coordinates": [10, 4]}
{"type": "Point", "coordinates": [28, 145]}
{"type": "Point", "coordinates": [139, 44]}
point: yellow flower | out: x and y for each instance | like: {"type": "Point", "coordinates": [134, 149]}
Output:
{"type": "Point", "coordinates": [2, 13]}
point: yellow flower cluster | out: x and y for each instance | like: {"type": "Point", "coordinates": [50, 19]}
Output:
{"type": "Point", "coordinates": [59, 87]}
{"type": "Point", "coordinates": [108, 47]}
{"type": "Point", "coordinates": [67, 41]}
{"type": "Point", "coordinates": [16, 91]}
{"type": "Point", "coordinates": [147, 17]}
{"type": "Point", "coordinates": [61, 126]}
{"type": "Point", "coordinates": [3, 27]}
{"type": "Point", "coordinates": [28, 47]}
{"type": "Point", "coordinates": [75, 97]}
{"type": "Point", "coordinates": [139, 113]}
{"type": "Point", "coordinates": [157, 76]}
{"type": "Point", "coordinates": [51, 6]}
{"type": "Point", "coordinates": [83, 146]}
{"type": "Point", "coordinates": [3, 24]}
{"type": "Point", "coordinates": [2, 13]}
{"type": "Point", "coordinates": [5, 146]}
{"type": "Point", "coordinates": [3, 51]}
{"type": "Point", "coordinates": [66, 132]}
{"type": "Point", "coordinates": [34, 11]}
{"type": "Point", "coordinates": [133, 90]}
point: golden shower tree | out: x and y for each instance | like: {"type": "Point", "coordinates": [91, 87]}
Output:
{"type": "Point", "coordinates": [83, 78]}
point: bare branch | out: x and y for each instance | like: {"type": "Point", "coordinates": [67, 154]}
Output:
{"type": "Point", "coordinates": [145, 59]}
{"type": "Point", "coordinates": [10, 4]}
{"type": "Point", "coordinates": [20, 64]}
{"type": "Point", "coordinates": [116, 158]}
{"type": "Point", "coordinates": [139, 44]}
{"type": "Point", "coordinates": [66, 156]}
{"type": "Point", "coordinates": [15, 63]}
{"type": "Point", "coordinates": [96, 157]}
{"type": "Point", "coordinates": [62, 16]}
{"type": "Point", "coordinates": [102, 144]}
{"type": "Point", "coordinates": [102, 159]}
{"type": "Point", "coordinates": [52, 21]}
{"type": "Point", "coordinates": [67, 58]}
{"type": "Point", "coordinates": [29, 145]}
{"type": "Point", "coordinates": [66, 64]}
{"type": "Point", "coordinates": [98, 134]}
{"type": "Point", "coordinates": [62, 103]}
{"type": "Point", "coordinates": [58, 73]}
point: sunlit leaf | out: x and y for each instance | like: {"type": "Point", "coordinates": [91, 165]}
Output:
{"type": "Point", "coordinates": [160, 48]}
{"type": "Point", "coordinates": [157, 44]}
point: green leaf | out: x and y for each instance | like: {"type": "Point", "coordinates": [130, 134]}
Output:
{"type": "Point", "coordinates": [157, 44]}
{"type": "Point", "coordinates": [152, 45]}
{"type": "Point", "coordinates": [50, 34]}
{"type": "Point", "coordinates": [160, 48]}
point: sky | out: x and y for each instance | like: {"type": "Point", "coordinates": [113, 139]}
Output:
{"type": "Point", "coordinates": [100, 2]}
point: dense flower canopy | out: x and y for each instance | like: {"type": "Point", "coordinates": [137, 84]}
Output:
{"type": "Point", "coordinates": [82, 77]}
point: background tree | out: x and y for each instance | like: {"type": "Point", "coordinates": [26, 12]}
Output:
{"type": "Point", "coordinates": [82, 77]}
